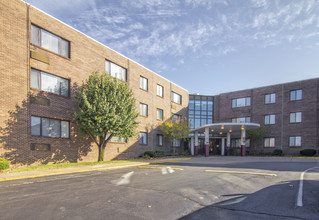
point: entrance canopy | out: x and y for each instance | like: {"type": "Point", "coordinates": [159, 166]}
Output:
{"type": "Point", "coordinates": [225, 128]}
{"type": "Point", "coordinates": [221, 129]}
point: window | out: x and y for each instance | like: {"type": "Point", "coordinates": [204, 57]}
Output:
{"type": "Point", "coordinates": [295, 95]}
{"type": "Point", "coordinates": [143, 138]}
{"type": "Point", "coordinates": [269, 142]}
{"type": "Point", "coordinates": [159, 114]}
{"type": "Point", "coordinates": [241, 102]}
{"type": "Point", "coordinates": [115, 70]}
{"type": "Point", "coordinates": [176, 98]}
{"type": "Point", "coordinates": [49, 127]}
{"type": "Point", "coordinates": [175, 117]}
{"type": "Point", "coordinates": [176, 143]}
{"type": "Point", "coordinates": [241, 120]}
{"type": "Point", "coordinates": [159, 140]}
{"type": "Point", "coordinates": [118, 139]}
{"type": "Point", "coordinates": [49, 41]}
{"type": "Point", "coordinates": [143, 109]}
{"type": "Point", "coordinates": [159, 90]}
{"type": "Point", "coordinates": [143, 83]}
{"type": "Point", "coordinates": [236, 142]}
{"type": "Point", "coordinates": [295, 141]}
{"type": "Point", "coordinates": [295, 117]}
{"type": "Point", "coordinates": [270, 119]}
{"type": "Point", "coordinates": [270, 98]}
{"type": "Point", "coordinates": [49, 83]}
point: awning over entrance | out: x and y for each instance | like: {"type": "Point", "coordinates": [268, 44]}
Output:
{"type": "Point", "coordinates": [223, 130]}
{"type": "Point", "coordinates": [225, 127]}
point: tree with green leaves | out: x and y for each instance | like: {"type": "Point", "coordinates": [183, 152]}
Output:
{"type": "Point", "coordinates": [175, 129]}
{"type": "Point", "coordinates": [106, 109]}
{"type": "Point", "coordinates": [255, 135]}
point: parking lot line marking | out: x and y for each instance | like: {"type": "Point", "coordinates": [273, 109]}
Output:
{"type": "Point", "coordinates": [240, 172]}
{"type": "Point", "coordinates": [147, 167]}
{"type": "Point", "coordinates": [300, 191]}
{"type": "Point", "coordinates": [168, 161]}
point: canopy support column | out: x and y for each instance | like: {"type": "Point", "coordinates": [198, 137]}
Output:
{"type": "Point", "coordinates": [243, 141]}
{"type": "Point", "coordinates": [192, 146]}
{"type": "Point", "coordinates": [228, 144]}
{"type": "Point", "coordinates": [206, 142]}
{"type": "Point", "coordinates": [196, 143]}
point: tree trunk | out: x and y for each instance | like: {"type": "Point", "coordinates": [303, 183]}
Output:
{"type": "Point", "coordinates": [101, 153]}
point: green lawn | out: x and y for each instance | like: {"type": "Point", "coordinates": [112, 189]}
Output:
{"type": "Point", "coordinates": [64, 165]}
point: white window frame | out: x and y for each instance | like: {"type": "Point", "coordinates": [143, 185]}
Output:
{"type": "Point", "coordinates": [143, 83]}
{"type": "Point", "coordinates": [176, 98]}
{"type": "Point", "coordinates": [270, 119]}
{"type": "Point", "coordinates": [64, 126]}
{"type": "Point", "coordinates": [37, 75]}
{"type": "Point", "coordinates": [296, 95]}
{"type": "Point", "coordinates": [38, 40]}
{"type": "Point", "coordinates": [110, 68]}
{"type": "Point", "coordinates": [159, 114]}
{"type": "Point", "coordinates": [241, 102]}
{"type": "Point", "coordinates": [159, 90]}
{"type": "Point", "coordinates": [246, 119]}
{"type": "Point", "coordinates": [143, 138]}
{"type": "Point", "coordinates": [143, 109]}
{"type": "Point", "coordinates": [159, 140]}
{"type": "Point", "coordinates": [176, 142]}
{"type": "Point", "coordinates": [270, 98]}
{"type": "Point", "coordinates": [295, 141]}
{"type": "Point", "coordinates": [295, 117]}
{"type": "Point", "coordinates": [269, 142]}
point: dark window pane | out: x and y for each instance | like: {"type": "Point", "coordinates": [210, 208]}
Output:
{"type": "Point", "coordinates": [65, 129]}
{"type": "Point", "coordinates": [51, 127]}
{"type": "Point", "coordinates": [35, 79]}
{"type": "Point", "coordinates": [35, 125]}
{"type": "Point", "coordinates": [65, 45]}
{"type": "Point", "coordinates": [35, 35]}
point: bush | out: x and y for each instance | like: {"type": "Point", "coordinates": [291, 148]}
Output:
{"type": "Point", "coordinates": [185, 153]}
{"type": "Point", "coordinates": [4, 164]}
{"type": "Point", "coordinates": [277, 152]}
{"type": "Point", "coordinates": [308, 152]}
{"type": "Point", "coordinates": [153, 153]}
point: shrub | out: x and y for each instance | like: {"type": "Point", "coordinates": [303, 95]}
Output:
{"type": "Point", "coordinates": [4, 164]}
{"type": "Point", "coordinates": [186, 152]}
{"type": "Point", "coordinates": [153, 153]}
{"type": "Point", "coordinates": [308, 152]}
{"type": "Point", "coordinates": [277, 152]}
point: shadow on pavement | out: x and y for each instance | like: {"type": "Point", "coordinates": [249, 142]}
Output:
{"type": "Point", "coordinates": [273, 202]}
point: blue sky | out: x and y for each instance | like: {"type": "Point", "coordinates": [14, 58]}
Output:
{"type": "Point", "coordinates": [205, 46]}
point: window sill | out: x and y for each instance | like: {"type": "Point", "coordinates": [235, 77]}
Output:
{"type": "Point", "coordinates": [38, 136]}
{"type": "Point", "coordinates": [50, 93]}
{"type": "Point", "coordinates": [42, 48]}
{"type": "Point", "coordinates": [145, 90]}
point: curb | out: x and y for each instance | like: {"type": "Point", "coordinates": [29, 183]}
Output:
{"type": "Point", "coordinates": [88, 170]}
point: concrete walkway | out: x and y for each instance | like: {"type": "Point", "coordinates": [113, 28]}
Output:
{"type": "Point", "coordinates": [6, 176]}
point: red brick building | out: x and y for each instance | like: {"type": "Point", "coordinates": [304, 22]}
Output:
{"type": "Point", "coordinates": [289, 111]}
{"type": "Point", "coordinates": [42, 63]}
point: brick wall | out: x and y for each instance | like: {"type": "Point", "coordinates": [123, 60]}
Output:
{"type": "Point", "coordinates": [87, 56]}
{"type": "Point", "coordinates": [282, 129]}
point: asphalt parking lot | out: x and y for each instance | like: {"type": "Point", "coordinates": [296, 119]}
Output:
{"type": "Point", "coordinates": [199, 188]}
